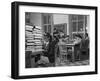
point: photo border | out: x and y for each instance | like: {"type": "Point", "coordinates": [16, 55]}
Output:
{"type": "Point", "coordinates": [15, 39]}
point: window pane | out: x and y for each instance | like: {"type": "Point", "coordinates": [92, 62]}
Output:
{"type": "Point", "coordinates": [85, 21]}
{"type": "Point", "coordinates": [49, 28]}
{"type": "Point", "coordinates": [45, 19]}
{"type": "Point", "coordinates": [74, 17]}
{"type": "Point", "coordinates": [80, 26]}
{"type": "Point", "coordinates": [80, 17]}
{"type": "Point", "coordinates": [45, 28]}
{"type": "Point", "coordinates": [49, 19]}
{"type": "Point", "coordinates": [74, 26]}
{"type": "Point", "coordinates": [27, 18]}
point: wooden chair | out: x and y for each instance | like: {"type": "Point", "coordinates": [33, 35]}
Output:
{"type": "Point", "coordinates": [63, 53]}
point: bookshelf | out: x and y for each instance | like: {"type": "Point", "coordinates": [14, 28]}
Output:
{"type": "Point", "coordinates": [33, 44]}
{"type": "Point", "coordinates": [33, 37]}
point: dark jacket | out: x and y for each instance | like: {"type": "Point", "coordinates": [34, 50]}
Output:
{"type": "Point", "coordinates": [50, 51]}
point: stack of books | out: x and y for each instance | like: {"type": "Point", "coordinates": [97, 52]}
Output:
{"type": "Point", "coordinates": [33, 37]}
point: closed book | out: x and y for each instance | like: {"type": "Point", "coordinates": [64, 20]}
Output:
{"type": "Point", "coordinates": [33, 41]}
{"type": "Point", "coordinates": [28, 32]}
{"type": "Point", "coordinates": [28, 26]}
{"type": "Point", "coordinates": [38, 46]}
{"type": "Point", "coordinates": [30, 43]}
{"type": "Point", "coordinates": [37, 37]}
{"type": "Point", "coordinates": [37, 42]}
{"type": "Point", "coordinates": [36, 32]}
{"type": "Point", "coordinates": [38, 27]}
{"type": "Point", "coordinates": [29, 38]}
{"type": "Point", "coordinates": [37, 50]}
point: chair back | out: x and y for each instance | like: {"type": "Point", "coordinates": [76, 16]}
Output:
{"type": "Point", "coordinates": [63, 49]}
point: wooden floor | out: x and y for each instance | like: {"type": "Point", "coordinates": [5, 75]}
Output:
{"type": "Point", "coordinates": [67, 63]}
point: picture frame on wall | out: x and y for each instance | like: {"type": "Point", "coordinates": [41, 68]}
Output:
{"type": "Point", "coordinates": [52, 40]}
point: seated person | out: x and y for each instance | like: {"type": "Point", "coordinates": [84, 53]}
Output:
{"type": "Point", "coordinates": [49, 47]}
{"type": "Point", "coordinates": [62, 37]}
{"type": "Point", "coordinates": [78, 39]}
{"type": "Point", "coordinates": [61, 33]}
{"type": "Point", "coordinates": [66, 38]}
{"type": "Point", "coordinates": [61, 41]}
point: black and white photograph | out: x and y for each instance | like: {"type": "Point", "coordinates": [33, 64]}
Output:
{"type": "Point", "coordinates": [53, 40]}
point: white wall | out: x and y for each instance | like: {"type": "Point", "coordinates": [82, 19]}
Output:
{"type": "Point", "coordinates": [36, 19]}
{"type": "Point", "coordinates": [5, 41]}
{"type": "Point", "coordinates": [60, 18]}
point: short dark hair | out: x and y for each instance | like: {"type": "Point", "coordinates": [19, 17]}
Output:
{"type": "Point", "coordinates": [55, 29]}
{"type": "Point", "coordinates": [86, 34]}
{"type": "Point", "coordinates": [48, 35]}
{"type": "Point", "coordinates": [78, 35]}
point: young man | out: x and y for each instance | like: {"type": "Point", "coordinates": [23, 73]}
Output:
{"type": "Point", "coordinates": [78, 43]}
{"type": "Point", "coordinates": [49, 48]}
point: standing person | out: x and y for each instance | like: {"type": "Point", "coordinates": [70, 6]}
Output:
{"type": "Point", "coordinates": [55, 41]}
{"type": "Point", "coordinates": [87, 39]}
{"type": "Point", "coordinates": [77, 47]}
{"type": "Point", "coordinates": [85, 47]}
{"type": "Point", "coordinates": [85, 42]}
{"type": "Point", "coordinates": [56, 34]}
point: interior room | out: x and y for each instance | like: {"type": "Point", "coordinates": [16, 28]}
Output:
{"type": "Point", "coordinates": [53, 39]}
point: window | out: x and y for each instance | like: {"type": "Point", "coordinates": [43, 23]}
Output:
{"type": "Point", "coordinates": [78, 24]}
{"type": "Point", "coordinates": [47, 24]}
{"type": "Point", "coordinates": [27, 18]}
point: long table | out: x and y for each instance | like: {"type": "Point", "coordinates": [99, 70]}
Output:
{"type": "Point", "coordinates": [73, 54]}
{"type": "Point", "coordinates": [72, 45]}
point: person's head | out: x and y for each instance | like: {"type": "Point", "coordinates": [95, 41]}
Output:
{"type": "Point", "coordinates": [55, 30]}
{"type": "Point", "coordinates": [67, 36]}
{"type": "Point", "coordinates": [63, 37]}
{"type": "Point", "coordinates": [78, 36]}
{"type": "Point", "coordinates": [61, 33]}
{"type": "Point", "coordinates": [48, 37]}
{"type": "Point", "coordinates": [86, 35]}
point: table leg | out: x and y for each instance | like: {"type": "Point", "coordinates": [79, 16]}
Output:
{"type": "Point", "coordinates": [73, 58]}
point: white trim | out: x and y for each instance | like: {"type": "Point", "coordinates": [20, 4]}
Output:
{"type": "Point", "coordinates": [52, 70]}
